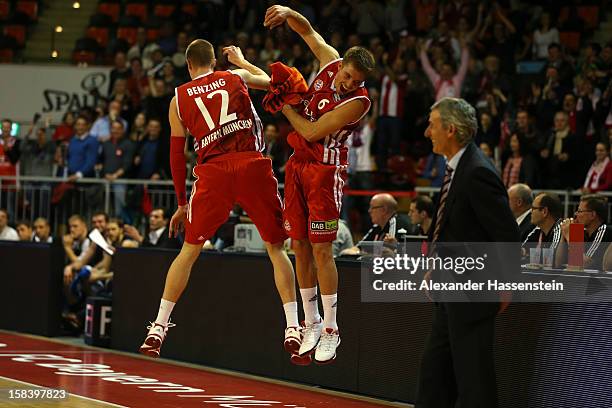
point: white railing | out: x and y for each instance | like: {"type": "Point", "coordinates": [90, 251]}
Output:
{"type": "Point", "coordinates": [31, 197]}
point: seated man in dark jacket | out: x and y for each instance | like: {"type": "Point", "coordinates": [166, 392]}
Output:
{"type": "Point", "coordinates": [157, 235]}
{"type": "Point", "coordinates": [387, 224]}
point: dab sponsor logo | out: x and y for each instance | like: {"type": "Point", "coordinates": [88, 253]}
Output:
{"type": "Point", "coordinates": [324, 226]}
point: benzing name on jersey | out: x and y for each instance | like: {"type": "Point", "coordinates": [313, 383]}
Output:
{"type": "Point", "coordinates": [201, 89]}
{"type": "Point", "coordinates": [222, 132]}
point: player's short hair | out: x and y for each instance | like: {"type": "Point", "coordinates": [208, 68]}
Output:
{"type": "Point", "coordinates": [361, 59]}
{"type": "Point", "coordinates": [24, 222]}
{"type": "Point", "coordinates": [200, 53]}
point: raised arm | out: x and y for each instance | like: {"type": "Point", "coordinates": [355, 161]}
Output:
{"type": "Point", "coordinates": [326, 124]}
{"type": "Point", "coordinates": [277, 15]}
{"type": "Point", "coordinates": [254, 76]}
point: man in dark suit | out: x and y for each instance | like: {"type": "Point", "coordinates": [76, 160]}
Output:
{"type": "Point", "coordinates": [158, 236]}
{"type": "Point", "coordinates": [521, 199]}
{"type": "Point", "coordinates": [457, 364]}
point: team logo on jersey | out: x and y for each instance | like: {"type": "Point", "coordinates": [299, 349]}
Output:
{"type": "Point", "coordinates": [331, 225]}
{"type": "Point", "coordinates": [331, 74]}
{"type": "Point", "coordinates": [318, 84]}
{"type": "Point", "coordinates": [287, 225]}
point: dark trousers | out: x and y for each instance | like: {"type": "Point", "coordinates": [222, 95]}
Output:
{"type": "Point", "coordinates": [458, 362]}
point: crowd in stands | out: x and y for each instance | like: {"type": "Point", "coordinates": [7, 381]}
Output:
{"type": "Point", "coordinates": [544, 105]}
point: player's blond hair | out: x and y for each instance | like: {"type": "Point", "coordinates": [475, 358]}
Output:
{"type": "Point", "coordinates": [360, 58]}
{"type": "Point", "coordinates": [200, 53]}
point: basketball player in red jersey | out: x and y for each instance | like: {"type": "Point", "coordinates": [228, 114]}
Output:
{"type": "Point", "coordinates": [216, 109]}
{"type": "Point", "coordinates": [316, 172]}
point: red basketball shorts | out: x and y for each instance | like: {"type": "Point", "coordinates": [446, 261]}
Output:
{"type": "Point", "coordinates": [245, 178]}
{"type": "Point", "coordinates": [313, 199]}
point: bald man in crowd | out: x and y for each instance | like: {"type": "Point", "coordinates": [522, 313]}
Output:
{"type": "Point", "coordinates": [521, 198]}
{"type": "Point", "coordinates": [387, 224]}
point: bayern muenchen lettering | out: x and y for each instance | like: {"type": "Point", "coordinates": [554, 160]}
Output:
{"type": "Point", "coordinates": [224, 131]}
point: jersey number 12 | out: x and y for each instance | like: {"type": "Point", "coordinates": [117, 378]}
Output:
{"type": "Point", "coordinates": [223, 116]}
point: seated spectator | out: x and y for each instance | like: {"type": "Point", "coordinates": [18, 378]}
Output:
{"type": "Point", "coordinates": [6, 233]}
{"type": "Point", "coordinates": [520, 167]}
{"type": "Point", "coordinates": [599, 176]}
{"type": "Point", "coordinates": [102, 273]}
{"type": "Point", "coordinates": [387, 225]}
{"type": "Point", "coordinates": [344, 239]}
{"type": "Point", "coordinates": [157, 235]}
{"type": "Point", "coordinates": [546, 216]}
{"type": "Point", "coordinates": [593, 213]}
{"type": "Point", "coordinates": [421, 213]}
{"type": "Point", "coordinates": [24, 230]}
{"type": "Point", "coordinates": [520, 198]}
{"type": "Point", "coordinates": [42, 231]}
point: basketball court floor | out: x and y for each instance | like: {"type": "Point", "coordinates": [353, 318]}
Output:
{"type": "Point", "coordinates": [96, 377]}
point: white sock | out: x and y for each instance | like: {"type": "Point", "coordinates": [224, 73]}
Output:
{"type": "Point", "coordinates": [165, 308]}
{"type": "Point", "coordinates": [311, 305]}
{"type": "Point", "coordinates": [330, 303]}
{"type": "Point", "coordinates": [291, 314]}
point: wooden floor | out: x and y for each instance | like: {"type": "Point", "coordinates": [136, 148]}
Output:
{"type": "Point", "coordinates": [72, 401]}
{"type": "Point", "coordinates": [95, 377]}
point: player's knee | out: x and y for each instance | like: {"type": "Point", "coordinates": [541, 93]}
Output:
{"type": "Point", "coordinates": [322, 252]}
{"type": "Point", "coordinates": [301, 247]}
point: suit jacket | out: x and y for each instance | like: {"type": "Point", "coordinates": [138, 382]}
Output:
{"type": "Point", "coordinates": [164, 241]}
{"type": "Point", "coordinates": [477, 210]}
{"type": "Point", "coordinates": [525, 227]}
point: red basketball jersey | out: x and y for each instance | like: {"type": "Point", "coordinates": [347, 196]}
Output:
{"type": "Point", "coordinates": [320, 99]}
{"type": "Point", "coordinates": [218, 112]}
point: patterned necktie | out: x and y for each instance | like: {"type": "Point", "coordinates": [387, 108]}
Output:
{"type": "Point", "coordinates": [443, 194]}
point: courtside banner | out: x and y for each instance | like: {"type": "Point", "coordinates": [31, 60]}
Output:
{"type": "Point", "coordinates": [50, 90]}
{"type": "Point", "coordinates": [479, 272]}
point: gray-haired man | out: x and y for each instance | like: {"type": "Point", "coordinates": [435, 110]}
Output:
{"type": "Point", "coordinates": [473, 206]}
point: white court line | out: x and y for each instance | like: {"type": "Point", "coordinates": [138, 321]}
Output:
{"type": "Point", "coordinates": [69, 393]}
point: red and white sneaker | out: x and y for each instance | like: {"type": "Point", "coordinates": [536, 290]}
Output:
{"type": "Point", "coordinates": [155, 338]}
{"type": "Point", "coordinates": [293, 339]}
{"type": "Point", "coordinates": [301, 360]}
{"type": "Point", "coordinates": [326, 349]}
{"type": "Point", "coordinates": [310, 337]}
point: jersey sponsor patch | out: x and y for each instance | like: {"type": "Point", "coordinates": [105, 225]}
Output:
{"type": "Point", "coordinates": [331, 225]}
